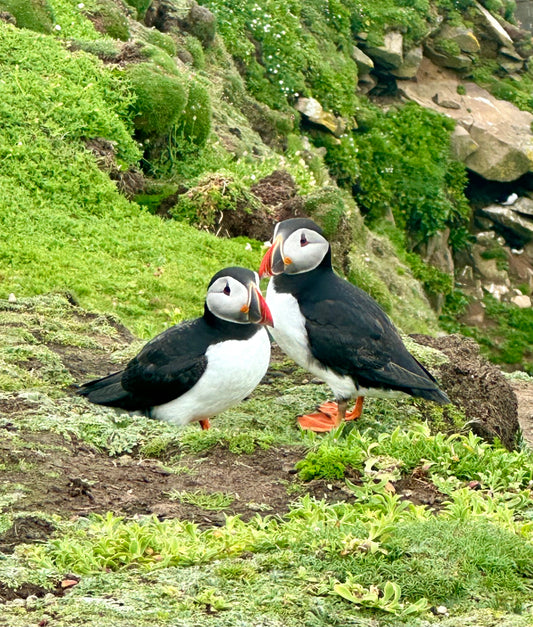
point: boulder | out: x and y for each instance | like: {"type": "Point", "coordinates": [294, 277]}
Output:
{"type": "Point", "coordinates": [508, 217]}
{"type": "Point", "coordinates": [493, 27]}
{"type": "Point", "coordinates": [441, 99]}
{"type": "Point", "coordinates": [313, 111]}
{"type": "Point", "coordinates": [487, 269]}
{"type": "Point", "coordinates": [366, 83]}
{"type": "Point", "coordinates": [501, 131]}
{"type": "Point", "coordinates": [463, 37]}
{"type": "Point", "coordinates": [390, 54]}
{"type": "Point", "coordinates": [364, 62]}
{"type": "Point", "coordinates": [410, 64]}
{"type": "Point", "coordinates": [454, 60]}
{"type": "Point", "coordinates": [461, 143]}
{"type": "Point", "coordinates": [523, 301]}
{"type": "Point", "coordinates": [524, 205]}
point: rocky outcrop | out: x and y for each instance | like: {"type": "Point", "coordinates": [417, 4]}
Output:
{"type": "Point", "coordinates": [520, 224]}
{"type": "Point", "coordinates": [313, 111]}
{"type": "Point", "coordinates": [390, 54]}
{"type": "Point", "coordinates": [498, 143]}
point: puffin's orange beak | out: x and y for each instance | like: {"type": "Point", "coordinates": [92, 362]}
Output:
{"type": "Point", "coordinates": [258, 311]}
{"type": "Point", "coordinates": [273, 262]}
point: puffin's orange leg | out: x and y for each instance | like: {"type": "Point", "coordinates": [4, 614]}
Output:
{"type": "Point", "coordinates": [330, 416]}
{"type": "Point", "coordinates": [205, 424]}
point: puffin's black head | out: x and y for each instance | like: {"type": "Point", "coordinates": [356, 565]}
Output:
{"type": "Point", "coordinates": [233, 295]}
{"type": "Point", "coordinates": [298, 246]}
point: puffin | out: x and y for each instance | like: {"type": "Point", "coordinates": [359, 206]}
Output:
{"type": "Point", "coordinates": [198, 368]}
{"type": "Point", "coordinates": [334, 329]}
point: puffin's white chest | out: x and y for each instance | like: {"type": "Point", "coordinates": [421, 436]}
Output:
{"type": "Point", "coordinates": [234, 369]}
{"type": "Point", "coordinates": [291, 336]}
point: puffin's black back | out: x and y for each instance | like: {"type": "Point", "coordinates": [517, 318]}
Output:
{"type": "Point", "coordinates": [350, 333]}
{"type": "Point", "coordinates": [171, 363]}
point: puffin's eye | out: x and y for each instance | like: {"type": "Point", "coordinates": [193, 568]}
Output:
{"type": "Point", "coordinates": [227, 290]}
{"type": "Point", "coordinates": [303, 240]}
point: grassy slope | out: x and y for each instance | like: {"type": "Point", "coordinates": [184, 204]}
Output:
{"type": "Point", "coordinates": [65, 227]}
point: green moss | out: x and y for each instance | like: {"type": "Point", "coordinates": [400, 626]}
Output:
{"type": "Point", "coordinates": [195, 122]}
{"type": "Point", "coordinates": [160, 58]}
{"type": "Point", "coordinates": [164, 41]}
{"type": "Point", "coordinates": [160, 98]}
{"type": "Point", "coordinates": [36, 15]}
{"type": "Point", "coordinates": [195, 48]}
{"type": "Point", "coordinates": [109, 19]}
{"type": "Point", "coordinates": [140, 5]}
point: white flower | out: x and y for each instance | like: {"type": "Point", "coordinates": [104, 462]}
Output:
{"type": "Point", "coordinates": [80, 5]}
{"type": "Point", "coordinates": [248, 246]}
{"type": "Point", "coordinates": [57, 27]}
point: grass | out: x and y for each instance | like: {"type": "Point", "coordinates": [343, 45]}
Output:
{"type": "Point", "coordinates": [215, 501]}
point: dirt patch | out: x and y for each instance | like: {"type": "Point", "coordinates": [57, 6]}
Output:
{"type": "Point", "coordinates": [476, 386]}
{"type": "Point", "coordinates": [80, 480]}
{"type": "Point", "coordinates": [26, 529]}
{"type": "Point", "coordinates": [420, 491]}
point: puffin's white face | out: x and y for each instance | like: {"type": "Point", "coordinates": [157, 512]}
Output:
{"type": "Point", "coordinates": [229, 299]}
{"type": "Point", "coordinates": [303, 250]}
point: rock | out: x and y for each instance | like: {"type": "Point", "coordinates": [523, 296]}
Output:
{"type": "Point", "coordinates": [510, 64]}
{"type": "Point", "coordinates": [410, 64]}
{"type": "Point", "coordinates": [460, 35]}
{"type": "Point", "coordinates": [185, 15]}
{"type": "Point", "coordinates": [523, 205]}
{"type": "Point", "coordinates": [313, 111]}
{"type": "Point", "coordinates": [509, 218]}
{"type": "Point", "coordinates": [501, 130]}
{"type": "Point", "coordinates": [493, 27]}
{"type": "Point", "coordinates": [487, 269]}
{"type": "Point", "coordinates": [364, 62]}
{"type": "Point", "coordinates": [366, 83]}
{"type": "Point", "coordinates": [477, 387]}
{"type": "Point", "coordinates": [390, 54]}
{"type": "Point", "coordinates": [496, 289]}
{"type": "Point", "coordinates": [460, 62]}
{"type": "Point", "coordinates": [201, 23]}
{"type": "Point", "coordinates": [521, 300]}
{"type": "Point", "coordinates": [461, 144]}
{"type": "Point", "coordinates": [437, 253]}
{"type": "Point", "coordinates": [447, 103]}
{"type": "Point", "coordinates": [6, 17]}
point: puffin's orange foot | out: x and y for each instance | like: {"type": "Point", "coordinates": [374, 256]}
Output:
{"type": "Point", "coordinates": [319, 422]}
{"type": "Point", "coordinates": [332, 409]}
{"type": "Point", "coordinates": [205, 424]}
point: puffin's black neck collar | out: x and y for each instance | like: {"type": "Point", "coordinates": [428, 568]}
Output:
{"type": "Point", "coordinates": [229, 330]}
{"type": "Point", "coordinates": [300, 283]}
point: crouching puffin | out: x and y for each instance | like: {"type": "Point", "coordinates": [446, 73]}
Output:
{"type": "Point", "coordinates": [200, 367]}
{"type": "Point", "coordinates": [334, 329]}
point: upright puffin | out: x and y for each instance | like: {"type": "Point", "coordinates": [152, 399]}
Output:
{"type": "Point", "coordinates": [200, 367]}
{"type": "Point", "coordinates": [334, 329]}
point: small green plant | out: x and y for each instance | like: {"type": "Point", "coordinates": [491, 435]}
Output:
{"type": "Point", "coordinates": [216, 501]}
{"type": "Point", "coordinates": [386, 600]}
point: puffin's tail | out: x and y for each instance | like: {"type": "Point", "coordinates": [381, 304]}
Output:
{"type": "Point", "coordinates": [436, 395]}
{"type": "Point", "coordinates": [106, 391]}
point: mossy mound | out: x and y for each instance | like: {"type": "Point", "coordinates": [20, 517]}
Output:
{"type": "Point", "coordinates": [140, 5]}
{"type": "Point", "coordinates": [109, 20]}
{"type": "Point", "coordinates": [35, 15]}
{"type": "Point", "coordinates": [160, 98]}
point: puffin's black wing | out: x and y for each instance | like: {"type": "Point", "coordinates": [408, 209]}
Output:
{"type": "Point", "coordinates": [167, 367]}
{"type": "Point", "coordinates": [352, 335]}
